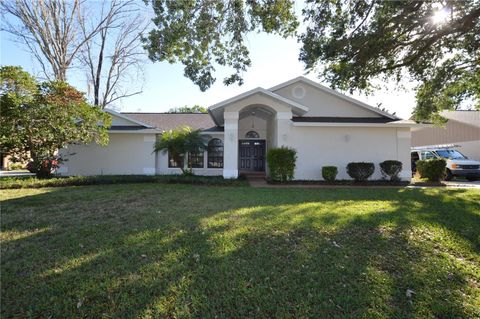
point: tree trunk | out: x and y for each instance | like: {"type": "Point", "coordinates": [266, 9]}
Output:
{"type": "Point", "coordinates": [185, 162]}
{"type": "Point", "coordinates": [96, 83]}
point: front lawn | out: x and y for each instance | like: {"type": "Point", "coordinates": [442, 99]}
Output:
{"type": "Point", "coordinates": [156, 251]}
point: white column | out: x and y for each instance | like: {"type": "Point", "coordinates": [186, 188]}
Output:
{"type": "Point", "coordinates": [230, 145]}
{"type": "Point", "coordinates": [404, 136]}
{"type": "Point", "coordinates": [283, 128]}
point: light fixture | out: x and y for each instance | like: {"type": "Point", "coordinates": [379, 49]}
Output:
{"type": "Point", "coordinates": [253, 119]}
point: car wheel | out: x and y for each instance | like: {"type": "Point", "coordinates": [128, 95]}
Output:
{"type": "Point", "coordinates": [472, 178]}
{"type": "Point", "coordinates": [448, 175]}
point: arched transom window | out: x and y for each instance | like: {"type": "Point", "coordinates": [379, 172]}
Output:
{"type": "Point", "coordinates": [215, 153]}
{"type": "Point", "coordinates": [252, 134]}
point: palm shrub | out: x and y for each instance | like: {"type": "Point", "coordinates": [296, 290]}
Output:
{"type": "Point", "coordinates": [329, 173]}
{"type": "Point", "coordinates": [179, 143]}
{"type": "Point", "coordinates": [281, 163]}
{"type": "Point", "coordinates": [391, 169]}
{"type": "Point", "coordinates": [432, 169]}
{"type": "Point", "coordinates": [360, 171]}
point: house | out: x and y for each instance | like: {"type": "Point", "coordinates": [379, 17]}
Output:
{"type": "Point", "coordinates": [462, 130]}
{"type": "Point", "coordinates": [324, 126]}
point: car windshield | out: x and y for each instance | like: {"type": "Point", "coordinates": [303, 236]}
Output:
{"type": "Point", "coordinates": [450, 154]}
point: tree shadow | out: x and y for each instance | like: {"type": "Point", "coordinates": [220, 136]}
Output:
{"type": "Point", "coordinates": [149, 251]}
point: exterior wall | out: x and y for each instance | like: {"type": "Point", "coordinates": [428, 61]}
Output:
{"type": "Point", "coordinates": [322, 103]}
{"type": "Point", "coordinates": [272, 134]}
{"type": "Point", "coordinates": [453, 132]}
{"type": "Point", "coordinates": [125, 154]}
{"type": "Point", "coordinates": [163, 169]}
{"type": "Point", "coordinates": [322, 146]}
{"type": "Point", "coordinates": [471, 149]}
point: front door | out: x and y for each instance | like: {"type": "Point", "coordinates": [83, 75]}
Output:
{"type": "Point", "coordinates": [252, 155]}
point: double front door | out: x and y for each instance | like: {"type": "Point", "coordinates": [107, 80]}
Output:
{"type": "Point", "coordinates": [251, 155]}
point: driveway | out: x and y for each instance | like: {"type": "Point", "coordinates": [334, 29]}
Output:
{"type": "Point", "coordinates": [462, 184]}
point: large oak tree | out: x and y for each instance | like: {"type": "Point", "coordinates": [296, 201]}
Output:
{"type": "Point", "coordinates": [436, 43]}
{"type": "Point", "coordinates": [204, 34]}
{"type": "Point", "coordinates": [349, 44]}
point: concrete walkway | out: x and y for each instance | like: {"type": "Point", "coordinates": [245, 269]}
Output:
{"type": "Point", "coordinates": [15, 173]}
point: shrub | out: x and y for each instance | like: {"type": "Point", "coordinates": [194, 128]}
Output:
{"type": "Point", "coordinates": [329, 173]}
{"type": "Point", "coordinates": [432, 169]}
{"type": "Point", "coordinates": [16, 166]}
{"type": "Point", "coordinates": [34, 182]}
{"type": "Point", "coordinates": [391, 169]}
{"type": "Point", "coordinates": [360, 171]}
{"type": "Point", "coordinates": [43, 168]}
{"type": "Point", "coordinates": [281, 163]}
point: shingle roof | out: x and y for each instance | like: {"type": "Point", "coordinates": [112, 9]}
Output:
{"type": "Point", "coordinates": [170, 121]}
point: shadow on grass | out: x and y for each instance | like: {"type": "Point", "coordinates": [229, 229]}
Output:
{"type": "Point", "coordinates": [178, 251]}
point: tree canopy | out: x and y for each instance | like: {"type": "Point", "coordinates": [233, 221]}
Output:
{"type": "Point", "coordinates": [188, 109]}
{"type": "Point", "coordinates": [40, 118]}
{"type": "Point", "coordinates": [433, 42]}
{"type": "Point", "coordinates": [349, 44]}
{"type": "Point", "coordinates": [203, 34]}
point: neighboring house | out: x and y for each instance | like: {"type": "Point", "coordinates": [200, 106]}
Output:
{"type": "Point", "coordinates": [324, 126]}
{"type": "Point", "coordinates": [462, 130]}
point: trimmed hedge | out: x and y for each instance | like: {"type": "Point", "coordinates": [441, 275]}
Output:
{"type": "Point", "coordinates": [360, 171]}
{"type": "Point", "coordinates": [33, 182]}
{"type": "Point", "coordinates": [432, 169]}
{"type": "Point", "coordinates": [16, 166]}
{"type": "Point", "coordinates": [391, 169]}
{"type": "Point", "coordinates": [281, 163]}
{"type": "Point", "coordinates": [329, 173]}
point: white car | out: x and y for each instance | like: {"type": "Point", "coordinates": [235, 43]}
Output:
{"type": "Point", "coordinates": [457, 163]}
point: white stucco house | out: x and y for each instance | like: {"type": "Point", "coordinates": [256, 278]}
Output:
{"type": "Point", "coordinates": [324, 126]}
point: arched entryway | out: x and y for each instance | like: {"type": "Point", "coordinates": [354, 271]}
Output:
{"type": "Point", "coordinates": [254, 124]}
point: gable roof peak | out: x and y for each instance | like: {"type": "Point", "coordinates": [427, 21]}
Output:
{"type": "Point", "coordinates": [328, 90]}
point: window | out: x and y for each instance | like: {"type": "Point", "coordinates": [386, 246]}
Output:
{"type": "Point", "coordinates": [195, 159]}
{"type": "Point", "coordinates": [252, 134]}
{"type": "Point", "coordinates": [451, 154]}
{"type": "Point", "coordinates": [427, 155]}
{"type": "Point", "coordinates": [172, 163]}
{"type": "Point", "coordinates": [215, 153]}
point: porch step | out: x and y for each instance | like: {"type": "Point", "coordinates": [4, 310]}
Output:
{"type": "Point", "coordinates": [256, 180]}
{"type": "Point", "coordinates": [253, 174]}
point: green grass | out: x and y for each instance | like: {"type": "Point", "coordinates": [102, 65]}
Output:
{"type": "Point", "coordinates": [34, 182]}
{"type": "Point", "coordinates": [157, 251]}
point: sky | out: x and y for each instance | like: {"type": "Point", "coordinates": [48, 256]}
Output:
{"type": "Point", "coordinates": [274, 60]}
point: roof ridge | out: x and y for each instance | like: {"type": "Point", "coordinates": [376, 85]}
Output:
{"type": "Point", "coordinates": [187, 113]}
